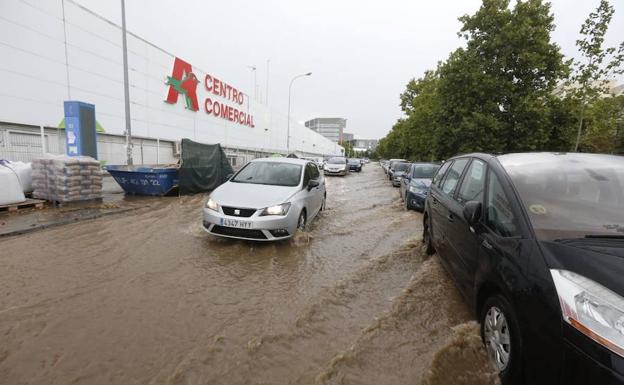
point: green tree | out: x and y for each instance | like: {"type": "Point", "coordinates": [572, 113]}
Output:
{"type": "Point", "coordinates": [494, 94]}
{"type": "Point", "coordinates": [603, 125]}
{"type": "Point", "coordinates": [348, 148]}
{"type": "Point", "coordinates": [598, 64]}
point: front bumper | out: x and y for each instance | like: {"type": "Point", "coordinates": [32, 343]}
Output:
{"type": "Point", "coordinates": [586, 362]}
{"type": "Point", "coordinates": [263, 228]}
{"type": "Point", "coordinates": [334, 172]}
{"type": "Point", "coordinates": [415, 201]}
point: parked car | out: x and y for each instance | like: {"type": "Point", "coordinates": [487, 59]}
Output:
{"type": "Point", "coordinates": [383, 163]}
{"type": "Point", "coordinates": [415, 185]}
{"type": "Point", "coordinates": [336, 166]}
{"type": "Point", "coordinates": [535, 243]}
{"type": "Point", "coordinates": [268, 199]}
{"type": "Point", "coordinates": [390, 168]}
{"type": "Point", "coordinates": [354, 165]}
{"type": "Point", "coordinates": [399, 169]}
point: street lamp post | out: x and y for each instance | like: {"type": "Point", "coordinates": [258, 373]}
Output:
{"type": "Point", "coordinates": [289, 93]}
{"type": "Point", "coordinates": [253, 69]}
{"type": "Point", "coordinates": [126, 85]}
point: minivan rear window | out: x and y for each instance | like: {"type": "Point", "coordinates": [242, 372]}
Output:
{"type": "Point", "coordinates": [570, 195]}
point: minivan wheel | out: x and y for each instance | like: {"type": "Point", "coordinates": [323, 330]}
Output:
{"type": "Point", "coordinates": [429, 249]}
{"type": "Point", "coordinates": [500, 333]}
{"type": "Point", "coordinates": [301, 224]}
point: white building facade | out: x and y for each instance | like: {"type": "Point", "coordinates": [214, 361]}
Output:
{"type": "Point", "coordinates": [53, 51]}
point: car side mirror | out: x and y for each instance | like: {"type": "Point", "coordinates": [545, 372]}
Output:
{"type": "Point", "coordinates": [472, 212]}
{"type": "Point", "coordinates": [312, 184]}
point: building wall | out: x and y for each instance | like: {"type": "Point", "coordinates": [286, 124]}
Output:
{"type": "Point", "coordinates": [330, 128]}
{"type": "Point", "coordinates": [25, 143]}
{"type": "Point", "coordinates": [369, 144]}
{"type": "Point", "coordinates": [38, 75]}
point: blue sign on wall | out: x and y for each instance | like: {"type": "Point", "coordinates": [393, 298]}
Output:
{"type": "Point", "coordinates": [80, 135]}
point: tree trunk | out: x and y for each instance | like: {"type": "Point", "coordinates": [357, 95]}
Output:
{"type": "Point", "coordinates": [580, 128]}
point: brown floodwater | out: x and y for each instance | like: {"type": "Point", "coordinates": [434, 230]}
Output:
{"type": "Point", "coordinates": [147, 297]}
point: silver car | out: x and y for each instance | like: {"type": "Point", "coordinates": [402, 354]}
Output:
{"type": "Point", "coordinates": [336, 166]}
{"type": "Point", "coordinates": [268, 199]}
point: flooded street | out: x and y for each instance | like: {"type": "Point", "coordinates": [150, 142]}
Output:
{"type": "Point", "coordinates": [148, 297]}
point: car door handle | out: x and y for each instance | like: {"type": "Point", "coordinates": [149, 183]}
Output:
{"type": "Point", "coordinates": [450, 217]}
{"type": "Point", "coordinates": [487, 244]}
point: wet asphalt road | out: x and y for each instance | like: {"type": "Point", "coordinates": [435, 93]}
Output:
{"type": "Point", "coordinates": [149, 298]}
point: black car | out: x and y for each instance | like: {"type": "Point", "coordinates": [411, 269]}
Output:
{"type": "Point", "coordinates": [415, 185]}
{"type": "Point", "coordinates": [354, 165]}
{"type": "Point", "coordinates": [535, 243]}
{"type": "Point", "coordinates": [390, 166]}
{"type": "Point", "coordinates": [399, 170]}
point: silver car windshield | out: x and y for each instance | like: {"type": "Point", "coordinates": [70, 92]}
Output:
{"type": "Point", "coordinates": [270, 173]}
{"type": "Point", "coordinates": [337, 161]}
{"type": "Point", "coordinates": [570, 195]}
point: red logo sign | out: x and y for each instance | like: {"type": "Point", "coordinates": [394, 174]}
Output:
{"type": "Point", "coordinates": [184, 82]}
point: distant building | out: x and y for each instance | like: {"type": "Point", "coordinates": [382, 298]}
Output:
{"type": "Point", "coordinates": [347, 137]}
{"type": "Point", "coordinates": [331, 128]}
{"type": "Point", "coordinates": [611, 86]}
{"type": "Point", "coordinates": [369, 144]}
{"type": "Point", "coordinates": [362, 145]}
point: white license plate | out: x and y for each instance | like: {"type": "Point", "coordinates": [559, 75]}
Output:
{"type": "Point", "coordinates": [235, 223]}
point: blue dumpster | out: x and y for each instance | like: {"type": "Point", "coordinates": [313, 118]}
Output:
{"type": "Point", "coordinates": [145, 180]}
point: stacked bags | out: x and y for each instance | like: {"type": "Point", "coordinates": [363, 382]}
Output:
{"type": "Point", "coordinates": [65, 178]}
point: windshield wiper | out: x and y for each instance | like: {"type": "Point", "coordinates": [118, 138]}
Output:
{"type": "Point", "coordinates": [605, 236]}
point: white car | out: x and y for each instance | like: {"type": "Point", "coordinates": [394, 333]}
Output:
{"type": "Point", "coordinates": [268, 199]}
{"type": "Point", "coordinates": [336, 166]}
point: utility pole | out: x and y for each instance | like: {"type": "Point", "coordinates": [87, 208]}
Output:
{"type": "Point", "coordinates": [289, 93]}
{"type": "Point", "coordinates": [126, 86]}
{"type": "Point", "coordinates": [266, 98]}
{"type": "Point", "coordinates": [253, 69]}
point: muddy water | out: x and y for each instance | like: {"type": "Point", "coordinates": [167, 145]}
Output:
{"type": "Point", "coordinates": [149, 298]}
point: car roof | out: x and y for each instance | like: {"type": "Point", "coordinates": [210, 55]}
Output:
{"type": "Point", "coordinates": [283, 160]}
{"type": "Point", "coordinates": [530, 157]}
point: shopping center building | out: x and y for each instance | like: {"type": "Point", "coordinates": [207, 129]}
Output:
{"type": "Point", "coordinates": [54, 51]}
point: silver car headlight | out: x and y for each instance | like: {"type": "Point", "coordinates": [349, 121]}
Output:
{"type": "Point", "coordinates": [591, 308]}
{"type": "Point", "coordinates": [212, 205]}
{"type": "Point", "coordinates": [276, 210]}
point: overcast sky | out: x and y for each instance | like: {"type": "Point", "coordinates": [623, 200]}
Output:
{"type": "Point", "coordinates": [361, 53]}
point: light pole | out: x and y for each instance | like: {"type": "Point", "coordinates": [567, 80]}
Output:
{"type": "Point", "coordinates": [253, 69]}
{"type": "Point", "coordinates": [289, 93]}
{"type": "Point", "coordinates": [126, 86]}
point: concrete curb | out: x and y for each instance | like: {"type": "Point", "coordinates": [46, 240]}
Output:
{"type": "Point", "coordinates": [67, 222]}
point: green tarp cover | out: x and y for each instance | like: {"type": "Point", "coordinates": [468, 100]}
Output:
{"type": "Point", "coordinates": [204, 167]}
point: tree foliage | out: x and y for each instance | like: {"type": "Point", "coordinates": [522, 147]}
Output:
{"type": "Point", "coordinates": [598, 64]}
{"type": "Point", "coordinates": [496, 94]}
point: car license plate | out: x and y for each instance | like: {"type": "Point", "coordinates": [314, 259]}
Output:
{"type": "Point", "coordinates": [235, 223]}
